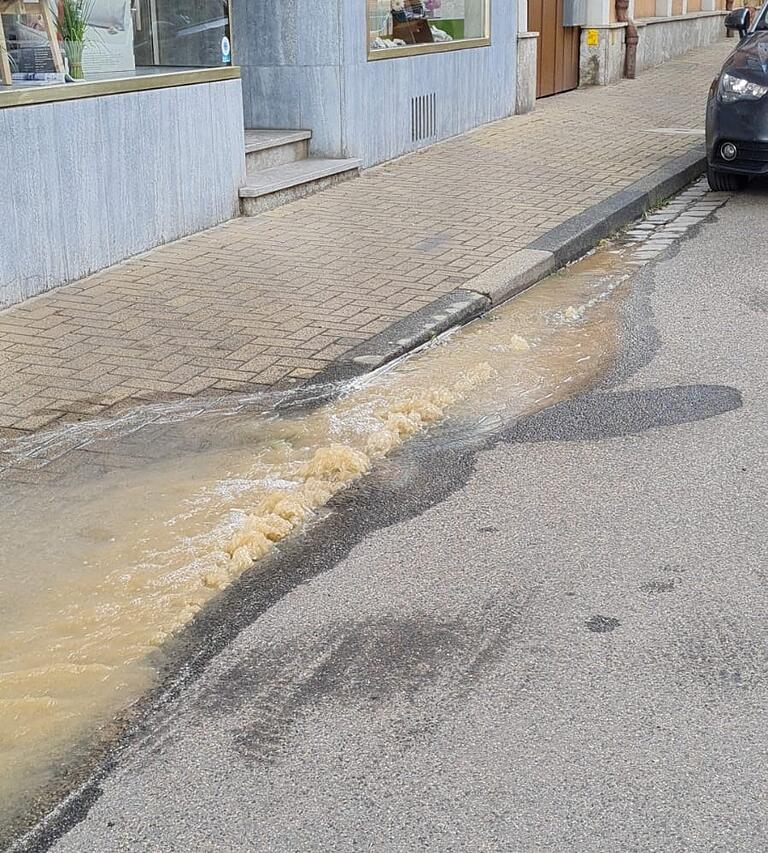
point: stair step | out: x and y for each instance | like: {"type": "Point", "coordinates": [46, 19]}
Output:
{"type": "Point", "coordinates": [272, 187]}
{"type": "Point", "coordinates": [267, 148]}
{"type": "Point", "coordinates": [257, 139]}
{"type": "Point", "coordinates": [293, 174]}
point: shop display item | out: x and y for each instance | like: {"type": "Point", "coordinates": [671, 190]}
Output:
{"type": "Point", "coordinates": [429, 24]}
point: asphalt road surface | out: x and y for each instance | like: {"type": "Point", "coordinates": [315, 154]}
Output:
{"type": "Point", "coordinates": [551, 640]}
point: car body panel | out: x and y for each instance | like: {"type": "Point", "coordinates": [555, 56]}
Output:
{"type": "Point", "coordinates": [743, 122]}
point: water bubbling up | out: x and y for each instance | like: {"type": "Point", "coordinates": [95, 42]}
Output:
{"type": "Point", "coordinates": [97, 572]}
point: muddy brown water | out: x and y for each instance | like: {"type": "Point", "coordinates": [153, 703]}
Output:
{"type": "Point", "coordinates": [97, 571]}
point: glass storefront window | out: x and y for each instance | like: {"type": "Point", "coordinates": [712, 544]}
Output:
{"type": "Point", "coordinates": [182, 33]}
{"type": "Point", "coordinates": [403, 27]}
{"type": "Point", "coordinates": [122, 37]}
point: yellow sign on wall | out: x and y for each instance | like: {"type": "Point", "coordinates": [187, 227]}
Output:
{"type": "Point", "coordinates": [593, 38]}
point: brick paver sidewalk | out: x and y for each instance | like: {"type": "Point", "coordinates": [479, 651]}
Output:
{"type": "Point", "coordinates": [272, 299]}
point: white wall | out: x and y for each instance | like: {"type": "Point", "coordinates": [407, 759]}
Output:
{"type": "Point", "coordinates": [87, 183]}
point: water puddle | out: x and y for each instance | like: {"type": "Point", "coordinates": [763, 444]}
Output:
{"type": "Point", "coordinates": [99, 566]}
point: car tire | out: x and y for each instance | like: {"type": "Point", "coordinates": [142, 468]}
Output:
{"type": "Point", "coordinates": [725, 182]}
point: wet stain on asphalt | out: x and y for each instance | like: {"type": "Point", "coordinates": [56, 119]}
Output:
{"type": "Point", "coordinates": [602, 624]}
{"type": "Point", "coordinates": [729, 652]}
{"type": "Point", "coordinates": [360, 665]}
{"type": "Point", "coordinates": [756, 299]}
{"type": "Point", "coordinates": [596, 416]}
{"type": "Point", "coordinates": [657, 586]}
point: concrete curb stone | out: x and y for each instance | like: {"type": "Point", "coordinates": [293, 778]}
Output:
{"type": "Point", "coordinates": [514, 274]}
{"type": "Point", "coordinates": [583, 232]}
{"type": "Point", "coordinates": [558, 247]}
{"type": "Point", "coordinates": [451, 309]}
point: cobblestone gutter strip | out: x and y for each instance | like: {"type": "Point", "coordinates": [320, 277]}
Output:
{"type": "Point", "coordinates": [584, 231]}
{"type": "Point", "coordinates": [563, 244]}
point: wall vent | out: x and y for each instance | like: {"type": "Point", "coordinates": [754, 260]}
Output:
{"type": "Point", "coordinates": [423, 117]}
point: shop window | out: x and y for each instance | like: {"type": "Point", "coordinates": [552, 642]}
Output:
{"type": "Point", "coordinates": [182, 33]}
{"type": "Point", "coordinates": [122, 37]}
{"type": "Point", "coordinates": [404, 27]}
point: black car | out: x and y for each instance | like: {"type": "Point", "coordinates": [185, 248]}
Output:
{"type": "Point", "coordinates": [737, 109]}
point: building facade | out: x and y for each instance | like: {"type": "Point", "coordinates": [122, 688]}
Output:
{"type": "Point", "coordinates": [149, 146]}
{"type": "Point", "coordinates": [374, 79]}
{"type": "Point", "coordinates": [665, 29]}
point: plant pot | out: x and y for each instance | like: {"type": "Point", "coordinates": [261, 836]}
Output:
{"type": "Point", "coordinates": [73, 50]}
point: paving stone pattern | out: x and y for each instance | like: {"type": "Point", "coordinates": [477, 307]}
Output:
{"type": "Point", "coordinates": [270, 300]}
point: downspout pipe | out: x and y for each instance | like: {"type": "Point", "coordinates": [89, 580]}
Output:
{"type": "Point", "coordinates": [630, 40]}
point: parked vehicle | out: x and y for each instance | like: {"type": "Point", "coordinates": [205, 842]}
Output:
{"type": "Point", "coordinates": [737, 108]}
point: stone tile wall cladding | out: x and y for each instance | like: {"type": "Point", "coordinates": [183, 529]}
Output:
{"type": "Point", "coordinates": [527, 45]}
{"type": "Point", "coordinates": [305, 65]}
{"type": "Point", "coordinates": [664, 39]}
{"type": "Point", "coordinates": [603, 63]}
{"type": "Point", "coordinates": [659, 39]}
{"type": "Point", "coordinates": [90, 182]}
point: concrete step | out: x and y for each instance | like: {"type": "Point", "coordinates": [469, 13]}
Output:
{"type": "Point", "coordinates": [267, 148]}
{"type": "Point", "coordinates": [281, 184]}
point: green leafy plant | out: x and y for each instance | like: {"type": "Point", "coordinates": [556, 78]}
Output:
{"type": "Point", "coordinates": [72, 24]}
{"type": "Point", "coordinates": [73, 18]}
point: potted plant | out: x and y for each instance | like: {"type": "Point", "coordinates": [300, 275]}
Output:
{"type": "Point", "coordinates": [72, 24]}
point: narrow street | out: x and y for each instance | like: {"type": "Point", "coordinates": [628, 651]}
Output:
{"type": "Point", "coordinates": [383, 414]}
{"type": "Point", "coordinates": [538, 625]}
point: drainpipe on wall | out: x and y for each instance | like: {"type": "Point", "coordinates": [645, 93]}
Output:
{"type": "Point", "coordinates": [630, 55]}
{"type": "Point", "coordinates": [729, 8]}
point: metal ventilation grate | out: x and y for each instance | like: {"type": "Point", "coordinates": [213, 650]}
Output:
{"type": "Point", "coordinates": [423, 117]}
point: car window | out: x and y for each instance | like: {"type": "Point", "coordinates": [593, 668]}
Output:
{"type": "Point", "coordinates": [762, 21]}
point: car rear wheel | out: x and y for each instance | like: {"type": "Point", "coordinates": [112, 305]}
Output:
{"type": "Point", "coordinates": [725, 182]}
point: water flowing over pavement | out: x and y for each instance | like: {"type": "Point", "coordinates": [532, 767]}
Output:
{"type": "Point", "coordinates": [268, 301]}
{"type": "Point", "coordinates": [533, 624]}
{"type": "Point", "coordinates": [138, 551]}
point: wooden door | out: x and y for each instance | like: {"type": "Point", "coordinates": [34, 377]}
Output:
{"type": "Point", "coordinates": [557, 56]}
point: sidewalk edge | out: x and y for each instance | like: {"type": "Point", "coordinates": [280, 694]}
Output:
{"type": "Point", "coordinates": [452, 309]}
{"type": "Point", "coordinates": [583, 232]}
{"type": "Point", "coordinates": [558, 247]}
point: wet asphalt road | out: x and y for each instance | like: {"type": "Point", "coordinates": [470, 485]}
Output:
{"type": "Point", "coordinates": [553, 640]}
